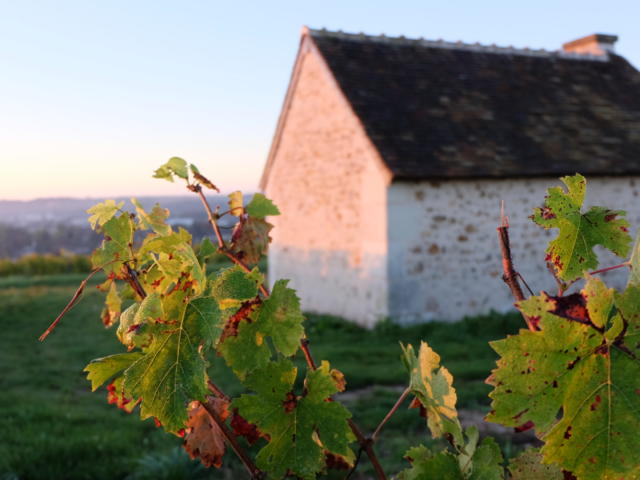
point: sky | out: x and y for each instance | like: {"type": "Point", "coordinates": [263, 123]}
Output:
{"type": "Point", "coordinates": [95, 95]}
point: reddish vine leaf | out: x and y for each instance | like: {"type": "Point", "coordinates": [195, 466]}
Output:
{"type": "Point", "coordinates": [242, 428]}
{"type": "Point", "coordinates": [202, 179]}
{"type": "Point", "coordinates": [203, 438]}
{"type": "Point", "coordinates": [250, 239]}
{"type": "Point", "coordinates": [592, 375]}
{"type": "Point", "coordinates": [117, 395]}
{"type": "Point", "coordinates": [571, 252]}
{"type": "Point", "coordinates": [300, 427]}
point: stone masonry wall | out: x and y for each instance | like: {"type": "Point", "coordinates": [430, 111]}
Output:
{"type": "Point", "coordinates": [444, 259]}
{"type": "Point", "coordinates": [331, 239]}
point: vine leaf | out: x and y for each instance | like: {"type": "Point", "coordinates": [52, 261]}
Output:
{"type": "Point", "coordinates": [233, 287]}
{"type": "Point", "coordinates": [118, 396]}
{"type": "Point", "coordinates": [137, 322]}
{"type": "Point", "coordinates": [101, 213]}
{"type": "Point", "coordinates": [102, 369]}
{"type": "Point", "coordinates": [428, 466]}
{"type": "Point", "coordinates": [486, 461]}
{"type": "Point", "coordinates": [250, 239]}
{"type": "Point", "coordinates": [236, 203]}
{"type": "Point", "coordinates": [586, 372]}
{"type": "Point", "coordinates": [433, 387]}
{"type": "Point", "coordinates": [300, 427]}
{"type": "Point", "coordinates": [260, 207]}
{"type": "Point", "coordinates": [528, 466]}
{"type": "Point", "coordinates": [156, 220]}
{"type": "Point", "coordinates": [245, 351]}
{"type": "Point", "coordinates": [571, 252]}
{"type": "Point", "coordinates": [203, 438]}
{"type": "Point", "coordinates": [116, 247]}
{"type": "Point", "coordinates": [112, 306]}
{"type": "Point", "coordinates": [202, 179]}
{"type": "Point", "coordinates": [634, 263]}
{"type": "Point", "coordinates": [281, 318]}
{"type": "Point", "coordinates": [172, 372]}
{"type": "Point", "coordinates": [174, 166]}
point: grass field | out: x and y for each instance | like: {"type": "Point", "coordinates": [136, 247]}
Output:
{"type": "Point", "coordinates": [53, 427]}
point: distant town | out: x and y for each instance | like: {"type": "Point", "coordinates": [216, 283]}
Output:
{"type": "Point", "coordinates": [52, 225]}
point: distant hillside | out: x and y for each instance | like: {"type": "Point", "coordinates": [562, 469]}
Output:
{"type": "Point", "coordinates": [48, 225]}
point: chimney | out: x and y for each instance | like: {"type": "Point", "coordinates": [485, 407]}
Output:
{"type": "Point", "coordinates": [596, 44]}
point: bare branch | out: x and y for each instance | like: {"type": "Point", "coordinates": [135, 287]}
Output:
{"type": "Point", "coordinates": [70, 305]}
{"type": "Point", "coordinates": [393, 410]}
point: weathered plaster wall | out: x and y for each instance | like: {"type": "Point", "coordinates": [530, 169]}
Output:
{"type": "Point", "coordinates": [444, 260]}
{"type": "Point", "coordinates": [330, 185]}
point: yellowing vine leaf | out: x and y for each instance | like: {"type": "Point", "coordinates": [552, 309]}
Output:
{"type": "Point", "coordinates": [116, 247]}
{"type": "Point", "coordinates": [433, 387]}
{"type": "Point", "coordinates": [578, 367]}
{"type": "Point", "coordinates": [528, 466]}
{"type": "Point", "coordinates": [101, 213]}
{"type": "Point", "coordinates": [571, 252]}
{"type": "Point", "coordinates": [156, 220]}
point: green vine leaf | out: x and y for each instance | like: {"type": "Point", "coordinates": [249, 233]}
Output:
{"type": "Point", "coordinates": [301, 427]}
{"type": "Point", "coordinates": [101, 213]}
{"type": "Point", "coordinates": [528, 466]}
{"type": "Point", "coordinates": [571, 252]}
{"type": "Point", "coordinates": [280, 318]}
{"type": "Point", "coordinates": [102, 369]}
{"type": "Point", "coordinates": [428, 466]}
{"type": "Point", "coordinates": [260, 207]}
{"type": "Point", "coordinates": [245, 351]}
{"type": "Point", "coordinates": [634, 263]}
{"type": "Point", "coordinates": [233, 287]}
{"type": "Point", "coordinates": [486, 463]}
{"type": "Point", "coordinates": [573, 365]}
{"type": "Point", "coordinates": [433, 387]}
{"type": "Point", "coordinates": [116, 247]}
{"type": "Point", "coordinates": [172, 372]}
{"type": "Point", "coordinates": [174, 166]}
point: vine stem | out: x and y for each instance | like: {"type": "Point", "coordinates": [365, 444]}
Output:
{"type": "Point", "coordinates": [231, 439]}
{"type": "Point", "coordinates": [222, 247]}
{"type": "Point", "coordinates": [393, 410]}
{"type": "Point", "coordinates": [70, 305]}
{"type": "Point", "coordinates": [365, 443]}
{"type": "Point", "coordinates": [602, 270]}
{"type": "Point", "coordinates": [510, 276]}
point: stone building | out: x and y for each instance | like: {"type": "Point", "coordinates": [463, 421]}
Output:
{"type": "Point", "coordinates": [391, 157]}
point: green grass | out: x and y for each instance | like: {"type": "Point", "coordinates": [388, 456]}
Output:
{"type": "Point", "coordinates": [54, 427]}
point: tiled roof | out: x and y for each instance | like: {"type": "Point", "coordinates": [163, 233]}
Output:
{"type": "Point", "coordinates": [440, 109]}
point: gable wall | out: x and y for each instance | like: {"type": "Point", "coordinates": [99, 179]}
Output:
{"type": "Point", "coordinates": [330, 186]}
{"type": "Point", "coordinates": [444, 258]}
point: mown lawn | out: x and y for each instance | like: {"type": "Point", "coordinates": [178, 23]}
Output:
{"type": "Point", "coordinates": [53, 427]}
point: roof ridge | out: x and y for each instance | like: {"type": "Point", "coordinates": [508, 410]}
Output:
{"type": "Point", "coordinates": [459, 45]}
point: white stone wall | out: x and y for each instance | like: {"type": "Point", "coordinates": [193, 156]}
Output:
{"type": "Point", "coordinates": [331, 187]}
{"type": "Point", "coordinates": [444, 259]}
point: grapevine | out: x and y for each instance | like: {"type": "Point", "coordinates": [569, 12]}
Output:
{"type": "Point", "coordinates": [572, 375]}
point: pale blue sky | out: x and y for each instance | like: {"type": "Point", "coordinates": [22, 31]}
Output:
{"type": "Point", "coordinates": [94, 95]}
